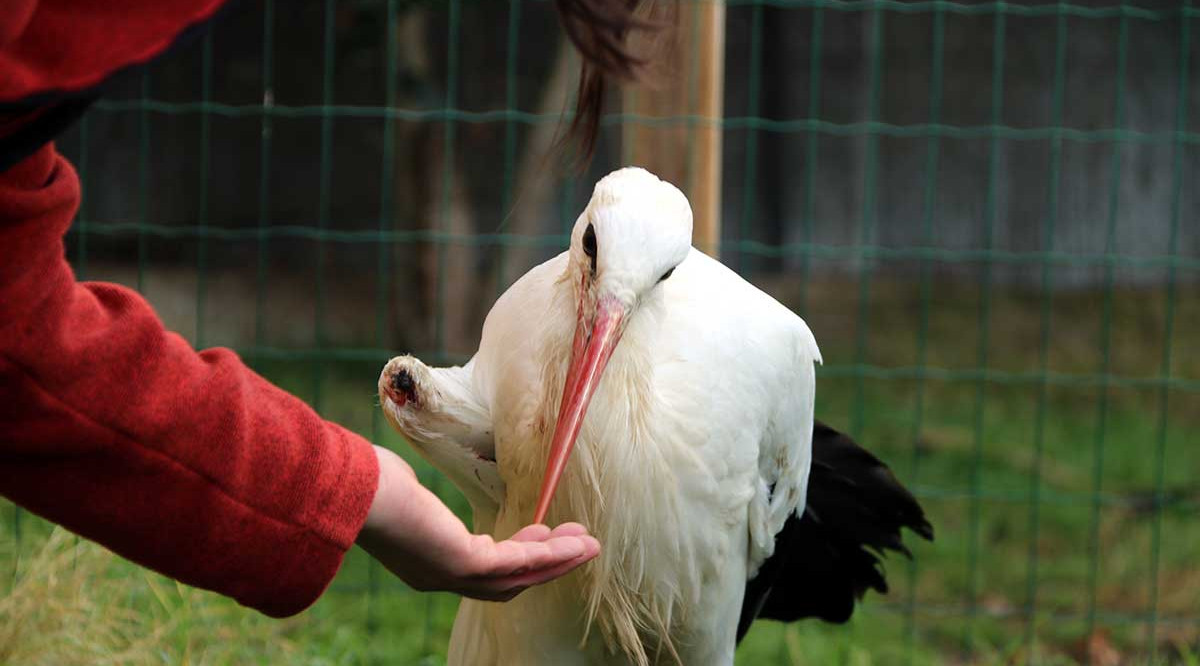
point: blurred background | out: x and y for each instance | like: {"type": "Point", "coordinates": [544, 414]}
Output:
{"type": "Point", "coordinates": [985, 212]}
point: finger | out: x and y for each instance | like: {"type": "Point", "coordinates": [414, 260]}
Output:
{"type": "Point", "coordinates": [510, 558]}
{"type": "Point", "coordinates": [550, 573]}
{"type": "Point", "coordinates": [591, 546]}
{"type": "Point", "coordinates": [537, 532]}
{"type": "Point", "coordinates": [563, 563]}
{"type": "Point", "coordinates": [569, 529]}
{"type": "Point", "coordinates": [514, 585]}
{"type": "Point", "coordinates": [504, 589]}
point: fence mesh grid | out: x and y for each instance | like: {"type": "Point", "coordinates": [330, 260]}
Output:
{"type": "Point", "coordinates": [943, 603]}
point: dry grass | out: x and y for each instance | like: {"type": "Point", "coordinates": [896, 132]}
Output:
{"type": "Point", "coordinates": [73, 602]}
{"type": "Point", "coordinates": [64, 609]}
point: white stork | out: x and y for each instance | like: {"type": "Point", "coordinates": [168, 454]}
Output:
{"type": "Point", "coordinates": [686, 395]}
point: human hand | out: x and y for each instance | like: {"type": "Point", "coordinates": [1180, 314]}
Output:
{"type": "Point", "coordinates": [416, 537]}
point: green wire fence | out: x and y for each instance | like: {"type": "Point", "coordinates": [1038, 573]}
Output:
{"type": "Point", "coordinates": [983, 210]}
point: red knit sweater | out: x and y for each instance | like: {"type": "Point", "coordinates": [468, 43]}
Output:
{"type": "Point", "coordinates": [188, 463]}
{"type": "Point", "coordinates": [55, 46]}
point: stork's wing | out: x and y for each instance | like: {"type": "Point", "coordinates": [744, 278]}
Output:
{"type": "Point", "coordinates": [785, 448]}
{"type": "Point", "coordinates": [826, 559]}
{"type": "Point", "coordinates": [446, 422]}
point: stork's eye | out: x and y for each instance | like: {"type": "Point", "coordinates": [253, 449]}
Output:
{"type": "Point", "coordinates": [589, 245]}
{"type": "Point", "coordinates": [666, 275]}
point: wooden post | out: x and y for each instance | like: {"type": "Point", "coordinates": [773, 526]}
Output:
{"type": "Point", "coordinates": [689, 83]}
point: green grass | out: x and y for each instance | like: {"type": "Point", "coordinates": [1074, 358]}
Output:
{"type": "Point", "coordinates": [968, 453]}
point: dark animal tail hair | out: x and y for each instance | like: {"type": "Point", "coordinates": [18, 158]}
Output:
{"type": "Point", "coordinates": [599, 30]}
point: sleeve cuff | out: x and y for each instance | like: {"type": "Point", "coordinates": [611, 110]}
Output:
{"type": "Point", "coordinates": [306, 570]}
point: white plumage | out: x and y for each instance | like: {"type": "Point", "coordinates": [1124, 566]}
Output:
{"type": "Point", "coordinates": [694, 450]}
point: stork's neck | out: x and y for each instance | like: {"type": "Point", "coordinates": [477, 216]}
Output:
{"type": "Point", "coordinates": [621, 482]}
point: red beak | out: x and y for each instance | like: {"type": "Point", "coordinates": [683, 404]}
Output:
{"type": "Point", "coordinates": [588, 358]}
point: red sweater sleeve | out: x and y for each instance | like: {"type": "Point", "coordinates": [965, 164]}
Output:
{"type": "Point", "coordinates": [188, 463]}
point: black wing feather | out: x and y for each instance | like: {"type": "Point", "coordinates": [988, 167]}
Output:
{"type": "Point", "coordinates": [825, 560]}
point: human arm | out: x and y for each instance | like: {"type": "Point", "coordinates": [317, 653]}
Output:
{"type": "Point", "coordinates": [186, 462]}
{"type": "Point", "coordinates": [189, 462]}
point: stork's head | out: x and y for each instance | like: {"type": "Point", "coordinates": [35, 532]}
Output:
{"type": "Point", "coordinates": [634, 232]}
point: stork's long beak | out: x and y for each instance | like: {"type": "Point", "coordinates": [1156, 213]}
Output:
{"type": "Point", "coordinates": [589, 355]}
